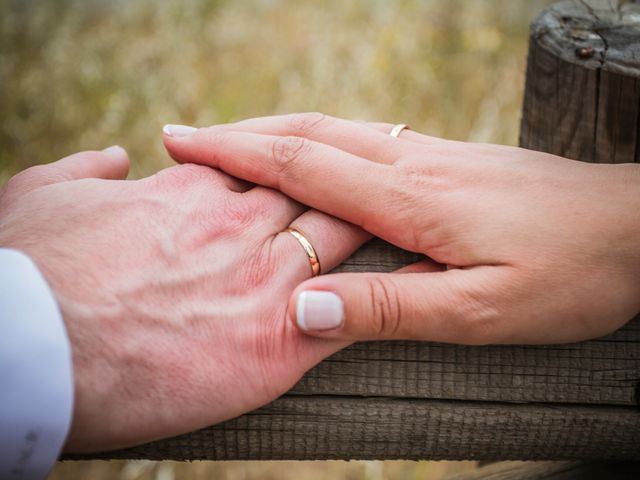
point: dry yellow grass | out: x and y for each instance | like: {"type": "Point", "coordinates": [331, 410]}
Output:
{"type": "Point", "coordinates": [87, 74]}
{"type": "Point", "coordinates": [328, 470]}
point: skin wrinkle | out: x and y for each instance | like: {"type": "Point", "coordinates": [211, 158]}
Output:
{"type": "Point", "coordinates": [259, 269]}
{"type": "Point", "coordinates": [304, 124]}
{"type": "Point", "coordinates": [386, 302]}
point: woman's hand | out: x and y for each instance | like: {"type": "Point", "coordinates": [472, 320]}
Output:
{"type": "Point", "coordinates": [173, 290]}
{"type": "Point", "coordinates": [530, 247]}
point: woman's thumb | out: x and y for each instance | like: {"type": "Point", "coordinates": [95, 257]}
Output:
{"type": "Point", "coordinates": [374, 306]}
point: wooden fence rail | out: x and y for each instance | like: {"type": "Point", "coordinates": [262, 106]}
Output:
{"type": "Point", "coordinates": [418, 400]}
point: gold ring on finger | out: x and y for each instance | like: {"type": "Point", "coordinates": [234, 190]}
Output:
{"type": "Point", "coordinates": [397, 129]}
{"type": "Point", "coordinates": [308, 248]}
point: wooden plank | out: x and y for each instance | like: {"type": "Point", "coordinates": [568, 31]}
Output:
{"type": "Point", "coordinates": [325, 427]}
{"type": "Point", "coordinates": [597, 372]}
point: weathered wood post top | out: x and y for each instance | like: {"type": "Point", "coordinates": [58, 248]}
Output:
{"type": "Point", "coordinates": [582, 97]}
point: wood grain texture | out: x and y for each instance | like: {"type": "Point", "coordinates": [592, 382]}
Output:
{"type": "Point", "coordinates": [326, 427]}
{"type": "Point", "coordinates": [582, 95]}
{"type": "Point", "coordinates": [420, 400]}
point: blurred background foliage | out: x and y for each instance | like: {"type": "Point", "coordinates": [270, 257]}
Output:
{"type": "Point", "coordinates": [86, 74]}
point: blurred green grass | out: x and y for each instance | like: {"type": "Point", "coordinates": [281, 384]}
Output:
{"type": "Point", "coordinates": [78, 75]}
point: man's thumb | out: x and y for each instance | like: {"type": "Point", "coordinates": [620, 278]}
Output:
{"type": "Point", "coordinates": [438, 306]}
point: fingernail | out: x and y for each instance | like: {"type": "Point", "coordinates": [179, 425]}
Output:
{"type": "Point", "coordinates": [319, 310]}
{"type": "Point", "coordinates": [178, 130]}
{"type": "Point", "coordinates": [114, 150]}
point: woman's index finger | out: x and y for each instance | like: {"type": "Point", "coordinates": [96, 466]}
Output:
{"type": "Point", "coordinates": [318, 175]}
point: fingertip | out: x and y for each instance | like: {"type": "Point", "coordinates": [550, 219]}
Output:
{"type": "Point", "coordinates": [317, 311]}
{"type": "Point", "coordinates": [299, 309]}
{"type": "Point", "coordinates": [173, 137]}
{"type": "Point", "coordinates": [178, 131]}
{"type": "Point", "coordinates": [119, 158]}
{"type": "Point", "coordinates": [114, 151]}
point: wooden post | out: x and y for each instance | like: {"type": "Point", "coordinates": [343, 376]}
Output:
{"type": "Point", "coordinates": [582, 95]}
{"type": "Point", "coordinates": [421, 400]}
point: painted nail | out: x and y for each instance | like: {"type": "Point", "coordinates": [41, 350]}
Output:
{"type": "Point", "coordinates": [114, 150]}
{"type": "Point", "coordinates": [178, 130]}
{"type": "Point", "coordinates": [319, 310]}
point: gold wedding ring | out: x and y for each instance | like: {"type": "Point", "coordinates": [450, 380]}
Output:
{"type": "Point", "coordinates": [395, 131]}
{"type": "Point", "coordinates": [308, 248]}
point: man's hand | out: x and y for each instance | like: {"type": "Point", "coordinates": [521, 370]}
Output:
{"type": "Point", "coordinates": [533, 248]}
{"type": "Point", "coordinates": [173, 290]}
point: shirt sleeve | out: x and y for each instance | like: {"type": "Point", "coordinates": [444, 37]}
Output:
{"type": "Point", "coordinates": [36, 376]}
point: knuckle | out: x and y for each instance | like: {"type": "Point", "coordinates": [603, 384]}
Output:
{"type": "Point", "coordinates": [36, 172]}
{"type": "Point", "coordinates": [226, 218]}
{"type": "Point", "coordinates": [16, 182]}
{"type": "Point", "coordinates": [239, 215]}
{"type": "Point", "coordinates": [287, 152]}
{"type": "Point", "coordinates": [260, 268]}
{"type": "Point", "coordinates": [418, 174]}
{"type": "Point", "coordinates": [33, 177]}
{"type": "Point", "coordinates": [414, 188]}
{"type": "Point", "coordinates": [304, 124]}
{"type": "Point", "coordinates": [180, 176]}
{"type": "Point", "coordinates": [386, 307]}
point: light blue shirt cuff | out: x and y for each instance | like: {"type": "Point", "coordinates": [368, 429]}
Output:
{"type": "Point", "coordinates": [36, 373]}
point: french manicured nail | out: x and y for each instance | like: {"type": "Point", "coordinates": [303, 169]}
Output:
{"type": "Point", "coordinates": [319, 310]}
{"type": "Point", "coordinates": [114, 150]}
{"type": "Point", "coordinates": [178, 130]}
